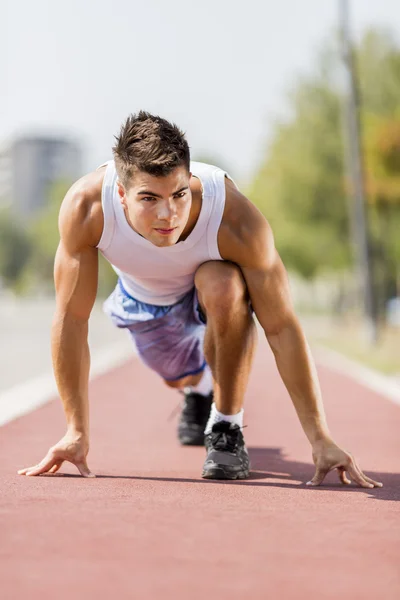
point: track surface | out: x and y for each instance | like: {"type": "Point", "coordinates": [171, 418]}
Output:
{"type": "Point", "coordinates": [149, 527]}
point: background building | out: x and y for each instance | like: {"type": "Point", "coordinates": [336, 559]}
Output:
{"type": "Point", "coordinates": [30, 165]}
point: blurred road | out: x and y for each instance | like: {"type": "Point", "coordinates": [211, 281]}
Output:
{"type": "Point", "coordinates": [25, 338]}
{"type": "Point", "coordinates": [149, 527]}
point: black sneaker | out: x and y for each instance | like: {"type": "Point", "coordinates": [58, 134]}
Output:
{"type": "Point", "coordinates": [227, 456]}
{"type": "Point", "coordinates": [194, 417]}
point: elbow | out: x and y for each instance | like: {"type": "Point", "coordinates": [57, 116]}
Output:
{"type": "Point", "coordinates": [63, 316]}
{"type": "Point", "coordinates": [284, 335]}
{"type": "Point", "coordinates": [280, 323]}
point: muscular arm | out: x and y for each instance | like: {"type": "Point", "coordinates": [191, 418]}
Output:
{"type": "Point", "coordinates": [76, 284]}
{"type": "Point", "coordinates": [76, 273]}
{"type": "Point", "coordinates": [80, 223]}
{"type": "Point", "coordinates": [246, 238]}
{"type": "Point", "coordinates": [253, 249]}
{"type": "Point", "coordinates": [269, 292]}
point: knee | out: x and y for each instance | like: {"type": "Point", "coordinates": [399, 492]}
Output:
{"type": "Point", "coordinates": [176, 383]}
{"type": "Point", "coordinates": [220, 287]}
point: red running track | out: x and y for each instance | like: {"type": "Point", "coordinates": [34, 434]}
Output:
{"type": "Point", "coordinates": [149, 527]}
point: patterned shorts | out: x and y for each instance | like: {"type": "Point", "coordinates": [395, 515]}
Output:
{"type": "Point", "coordinates": [169, 339]}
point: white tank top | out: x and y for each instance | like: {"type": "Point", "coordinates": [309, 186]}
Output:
{"type": "Point", "coordinates": [154, 275]}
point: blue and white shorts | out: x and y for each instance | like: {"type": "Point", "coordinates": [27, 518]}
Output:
{"type": "Point", "coordinates": [169, 339]}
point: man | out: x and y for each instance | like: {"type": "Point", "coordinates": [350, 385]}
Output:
{"type": "Point", "coordinates": [194, 259]}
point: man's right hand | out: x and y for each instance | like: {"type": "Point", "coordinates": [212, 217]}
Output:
{"type": "Point", "coordinates": [72, 447]}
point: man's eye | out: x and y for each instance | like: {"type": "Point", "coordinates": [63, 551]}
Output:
{"type": "Point", "coordinates": [148, 198]}
{"type": "Point", "coordinates": [181, 195]}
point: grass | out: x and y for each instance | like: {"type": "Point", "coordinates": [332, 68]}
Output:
{"type": "Point", "coordinates": [346, 337]}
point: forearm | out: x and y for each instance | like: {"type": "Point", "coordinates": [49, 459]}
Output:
{"type": "Point", "coordinates": [71, 364]}
{"type": "Point", "coordinates": [297, 369]}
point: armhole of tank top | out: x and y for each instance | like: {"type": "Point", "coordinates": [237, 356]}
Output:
{"type": "Point", "coordinates": [217, 213]}
{"type": "Point", "coordinates": [107, 204]}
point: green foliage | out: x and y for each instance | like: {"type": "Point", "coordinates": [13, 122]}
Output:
{"type": "Point", "coordinates": [382, 158]}
{"type": "Point", "coordinates": [378, 60]}
{"type": "Point", "coordinates": [15, 249]}
{"type": "Point", "coordinates": [301, 185]}
{"type": "Point", "coordinates": [45, 238]}
{"type": "Point", "coordinates": [300, 188]}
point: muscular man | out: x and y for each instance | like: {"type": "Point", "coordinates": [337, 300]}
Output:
{"type": "Point", "coordinates": [194, 258]}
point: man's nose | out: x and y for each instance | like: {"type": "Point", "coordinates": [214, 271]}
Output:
{"type": "Point", "coordinates": [166, 211]}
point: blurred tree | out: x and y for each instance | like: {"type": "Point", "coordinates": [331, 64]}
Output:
{"type": "Point", "coordinates": [15, 250]}
{"type": "Point", "coordinates": [382, 155]}
{"type": "Point", "coordinates": [300, 186]}
{"type": "Point", "coordinates": [378, 60]}
{"type": "Point", "coordinates": [45, 238]}
{"type": "Point", "coordinates": [382, 158]}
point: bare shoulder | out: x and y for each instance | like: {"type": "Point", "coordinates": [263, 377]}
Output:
{"type": "Point", "coordinates": [245, 236]}
{"type": "Point", "coordinates": [81, 215]}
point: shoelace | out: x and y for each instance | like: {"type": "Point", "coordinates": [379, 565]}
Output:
{"type": "Point", "coordinates": [223, 437]}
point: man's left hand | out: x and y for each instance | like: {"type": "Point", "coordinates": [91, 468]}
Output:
{"type": "Point", "coordinates": [328, 456]}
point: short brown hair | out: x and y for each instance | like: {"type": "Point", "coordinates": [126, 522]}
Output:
{"type": "Point", "coordinates": [149, 143]}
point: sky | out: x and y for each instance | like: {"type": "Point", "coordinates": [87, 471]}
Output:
{"type": "Point", "coordinates": [220, 69]}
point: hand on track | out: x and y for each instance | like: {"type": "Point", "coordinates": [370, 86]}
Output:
{"type": "Point", "coordinates": [328, 456]}
{"type": "Point", "coordinates": [71, 448]}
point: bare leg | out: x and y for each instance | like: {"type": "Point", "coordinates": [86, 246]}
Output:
{"type": "Point", "coordinates": [230, 338]}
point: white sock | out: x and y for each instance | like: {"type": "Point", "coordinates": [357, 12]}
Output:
{"type": "Point", "coordinates": [205, 384]}
{"type": "Point", "coordinates": [216, 416]}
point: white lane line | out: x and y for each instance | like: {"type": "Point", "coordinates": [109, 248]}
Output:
{"type": "Point", "coordinates": [23, 398]}
{"type": "Point", "coordinates": [384, 385]}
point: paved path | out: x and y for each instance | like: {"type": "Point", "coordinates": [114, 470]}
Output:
{"type": "Point", "coordinates": [25, 338]}
{"type": "Point", "coordinates": [149, 527]}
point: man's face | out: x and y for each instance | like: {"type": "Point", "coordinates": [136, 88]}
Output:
{"type": "Point", "coordinates": [158, 208]}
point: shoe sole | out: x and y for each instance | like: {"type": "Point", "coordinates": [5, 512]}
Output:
{"type": "Point", "coordinates": [219, 473]}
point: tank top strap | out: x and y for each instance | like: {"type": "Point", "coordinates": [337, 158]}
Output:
{"type": "Point", "coordinates": [107, 202]}
{"type": "Point", "coordinates": [217, 213]}
{"type": "Point", "coordinates": [213, 181]}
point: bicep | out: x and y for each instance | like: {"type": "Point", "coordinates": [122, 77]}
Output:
{"type": "Point", "coordinates": [269, 292]}
{"type": "Point", "coordinates": [75, 276]}
{"type": "Point", "coordinates": [76, 262]}
{"type": "Point", "coordinates": [247, 240]}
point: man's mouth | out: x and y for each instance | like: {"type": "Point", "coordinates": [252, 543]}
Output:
{"type": "Point", "coordinates": [165, 231]}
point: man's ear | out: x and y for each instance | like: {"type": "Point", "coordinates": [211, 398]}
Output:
{"type": "Point", "coordinates": [121, 194]}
